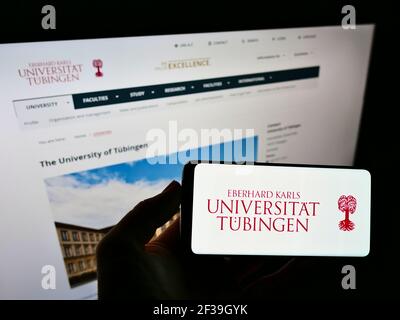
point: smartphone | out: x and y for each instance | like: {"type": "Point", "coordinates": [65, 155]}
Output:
{"type": "Point", "coordinates": [275, 210]}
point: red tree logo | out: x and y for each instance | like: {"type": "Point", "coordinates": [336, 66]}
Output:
{"type": "Point", "coordinates": [97, 63]}
{"type": "Point", "coordinates": [347, 205]}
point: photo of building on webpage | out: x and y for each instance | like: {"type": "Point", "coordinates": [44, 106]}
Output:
{"type": "Point", "coordinates": [87, 204]}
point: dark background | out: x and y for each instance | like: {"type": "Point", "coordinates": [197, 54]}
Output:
{"type": "Point", "coordinates": [376, 274]}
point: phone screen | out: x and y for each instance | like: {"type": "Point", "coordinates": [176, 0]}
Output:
{"type": "Point", "coordinates": [279, 210]}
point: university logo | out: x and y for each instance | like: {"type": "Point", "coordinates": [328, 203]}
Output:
{"type": "Point", "coordinates": [348, 205]}
{"type": "Point", "coordinates": [98, 63]}
{"type": "Point", "coordinates": [50, 72]}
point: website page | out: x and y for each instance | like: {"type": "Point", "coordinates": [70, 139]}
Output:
{"type": "Point", "coordinates": [89, 128]}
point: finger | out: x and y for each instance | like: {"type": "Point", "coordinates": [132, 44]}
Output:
{"type": "Point", "coordinates": [168, 240]}
{"type": "Point", "coordinates": [142, 221]}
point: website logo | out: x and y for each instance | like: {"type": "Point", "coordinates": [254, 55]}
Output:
{"type": "Point", "coordinates": [98, 63]}
{"type": "Point", "coordinates": [347, 205]}
{"type": "Point", "coordinates": [50, 72]}
{"type": "Point", "coordinates": [184, 64]}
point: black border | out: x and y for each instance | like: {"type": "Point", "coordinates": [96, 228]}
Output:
{"type": "Point", "coordinates": [20, 20]}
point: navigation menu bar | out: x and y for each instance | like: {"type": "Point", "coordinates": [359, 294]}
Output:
{"type": "Point", "coordinates": [111, 97]}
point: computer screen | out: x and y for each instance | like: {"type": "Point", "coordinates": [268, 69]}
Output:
{"type": "Point", "coordinates": [91, 127]}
